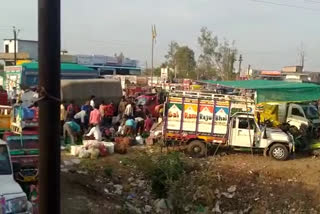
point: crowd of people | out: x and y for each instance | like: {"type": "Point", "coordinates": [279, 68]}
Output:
{"type": "Point", "coordinates": [103, 120]}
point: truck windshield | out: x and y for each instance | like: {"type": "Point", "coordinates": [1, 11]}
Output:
{"type": "Point", "coordinates": [5, 166]}
{"type": "Point", "coordinates": [311, 112]}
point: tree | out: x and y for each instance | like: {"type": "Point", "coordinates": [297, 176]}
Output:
{"type": "Point", "coordinates": [206, 64]}
{"type": "Point", "coordinates": [170, 57]}
{"type": "Point", "coordinates": [226, 60]}
{"type": "Point", "coordinates": [217, 59]}
{"type": "Point", "coordinates": [156, 72]}
{"type": "Point", "coordinates": [185, 62]}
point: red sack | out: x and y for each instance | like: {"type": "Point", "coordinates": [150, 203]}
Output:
{"type": "Point", "coordinates": [103, 151]}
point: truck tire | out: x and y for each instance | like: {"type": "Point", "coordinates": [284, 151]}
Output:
{"type": "Point", "coordinates": [279, 152]}
{"type": "Point", "coordinates": [197, 149]}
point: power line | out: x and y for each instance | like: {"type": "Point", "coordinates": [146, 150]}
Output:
{"type": "Point", "coordinates": [285, 5]}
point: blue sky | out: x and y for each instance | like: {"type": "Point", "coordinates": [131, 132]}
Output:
{"type": "Point", "coordinates": [268, 36]}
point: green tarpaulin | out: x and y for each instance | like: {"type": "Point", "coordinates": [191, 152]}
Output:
{"type": "Point", "coordinates": [275, 91]}
{"type": "Point", "coordinates": [64, 66]}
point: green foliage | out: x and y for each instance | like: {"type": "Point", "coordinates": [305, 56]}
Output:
{"type": "Point", "coordinates": [217, 58]}
{"type": "Point", "coordinates": [108, 171]}
{"type": "Point", "coordinates": [185, 62]}
{"type": "Point", "coordinates": [162, 171]}
{"type": "Point", "coordinates": [156, 72]}
{"type": "Point", "coordinates": [170, 57]}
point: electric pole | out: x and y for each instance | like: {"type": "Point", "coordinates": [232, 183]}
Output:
{"type": "Point", "coordinates": [302, 55]}
{"type": "Point", "coordinates": [49, 103]}
{"type": "Point", "coordinates": [154, 35]}
{"type": "Point", "coordinates": [240, 61]}
{"type": "Point", "coordinates": [15, 44]}
{"type": "Point", "coordinates": [146, 69]}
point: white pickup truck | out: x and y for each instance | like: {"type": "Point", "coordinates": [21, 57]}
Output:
{"type": "Point", "coordinates": [12, 198]}
{"type": "Point", "coordinates": [205, 119]}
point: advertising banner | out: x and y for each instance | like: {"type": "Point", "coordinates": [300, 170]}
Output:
{"type": "Point", "coordinates": [221, 115]}
{"type": "Point", "coordinates": [174, 114]}
{"type": "Point", "coordinates": [190, 115]}
{"type": "Point", "coordinates": [205, 116]}
{"type": "Point", "coordinates": [242, 107]}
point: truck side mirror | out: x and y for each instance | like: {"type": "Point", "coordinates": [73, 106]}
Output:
{"type": "Point", "coordinates": [16, 167]}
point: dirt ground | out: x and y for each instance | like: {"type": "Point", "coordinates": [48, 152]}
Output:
{"type": "Point", "coordinates": [259, 185]}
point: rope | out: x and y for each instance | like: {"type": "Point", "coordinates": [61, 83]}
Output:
{"type": "Point", "coordinates": [45, 95]}
{"type": "Point", "coordinates": [251, 143]}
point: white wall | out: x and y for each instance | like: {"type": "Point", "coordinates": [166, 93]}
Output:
{"type": "Point", "coordinates": [11, 45]}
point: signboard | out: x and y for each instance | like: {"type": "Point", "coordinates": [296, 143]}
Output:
{"type": "Point", "coordinates": [221, 115]}
{"type": "Point", "coordinates": [271, 73]}
{"type": "Point", "coordinates": [164, 74]}
{"type": "Point", "coordinates": [242, 107]}
{"type": "Point", "coordinates": [174, 113]}
{"type": "Point", "coordinates": [190, 115]}
{"type": "Point", "coordinates": [12, 77]}
{"type": "Point", "coordinates": [205, 116]}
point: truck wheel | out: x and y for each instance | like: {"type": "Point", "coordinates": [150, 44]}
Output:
{"type": "Point", "coordinates": [197, 149]}
{"type": "Point", "coordinates": [279, 152]}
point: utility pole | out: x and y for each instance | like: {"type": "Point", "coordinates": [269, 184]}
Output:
{"type": "Point", "coordinates": [15, 44]}
{"type": "Point", "coordinates": [240, 62]}
{"type": "Point", "coordinates": [49, 103]}
{"type": "Point", "coordinates": [302, 55]}
{"type": "Point", "coordinates": [154, 35]}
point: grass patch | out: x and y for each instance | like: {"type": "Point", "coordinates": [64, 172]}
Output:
{"type": "Point", "coordinates": [161, 170]}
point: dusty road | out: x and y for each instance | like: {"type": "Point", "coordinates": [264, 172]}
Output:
{"type": "Point", "coordinates": [262, 185]}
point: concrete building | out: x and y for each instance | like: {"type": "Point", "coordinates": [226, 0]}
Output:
{"type": "Point", "coordinates": [23, 46]}
{"type": "Point", "coordinates": [27, 50]}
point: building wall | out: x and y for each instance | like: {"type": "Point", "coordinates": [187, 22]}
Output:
{"type": "Point", "coordinates": [10, 43]}
{"type": "Point", "coordinates": [30, 47]}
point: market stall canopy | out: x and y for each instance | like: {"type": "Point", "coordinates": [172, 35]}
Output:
{"type": "Point", "coordinates": [275, 91]}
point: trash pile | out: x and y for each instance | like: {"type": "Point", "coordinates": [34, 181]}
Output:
{"type": "Point", "coordinates": [92, 149]}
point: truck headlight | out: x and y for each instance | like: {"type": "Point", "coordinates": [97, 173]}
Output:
{"type": "Point", "coordinates": [17, 205]}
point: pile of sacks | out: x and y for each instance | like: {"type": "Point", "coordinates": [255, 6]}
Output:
{"type": "Point", "coordinates": [122, 144]}
{"type": "Point", "coordinates": [92, 149]}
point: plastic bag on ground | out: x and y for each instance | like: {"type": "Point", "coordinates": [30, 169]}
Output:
{"type": "Point", "coordinates": [94, 153]}
{"type": "Point", "coordinates": [84, 153]}
{"type": "Point", "coordinates": [109, 146]}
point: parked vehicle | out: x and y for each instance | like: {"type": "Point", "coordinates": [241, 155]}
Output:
{"type": "Point", "coordinates": [5, 119]}
{"type": "Point", "coordinates": [298, 115]}
{"type": "Point", "coordinates": [81, 90]}
{"type": "Point", "coordinates": [149, 102]}
{"type": "Point", "coordinates": [24, 151]}
{"type": "Point", "coordinates": [3, 96]}
{"type": "Point", "coordinates": [26, 75]}
{"type": "Point", "coordinates": [12, 198]}
{"type": "Point", "coordinates": [199, 119]}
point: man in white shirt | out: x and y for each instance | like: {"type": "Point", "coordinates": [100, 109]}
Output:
{"type": "Point", "coordinates": [95, 131]}
{"type": "Point", "coordinates": [92, 102]}
{"type": "Point", "coordinates": [129, 110]}
{"type": "Point", "coordinates": [81, 115]}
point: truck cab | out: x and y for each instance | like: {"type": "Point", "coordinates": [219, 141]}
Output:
{"type": "Point", "coordinates": [12, 198]}
{"type": "Point", "coordinates": [303, 114]}
{"type": "Point", "coordinates": [245, 133]}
